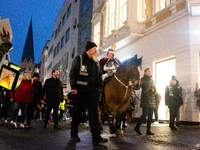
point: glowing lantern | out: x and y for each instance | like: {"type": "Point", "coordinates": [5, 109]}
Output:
{"type": "Point", "coordinates": [11, 76]}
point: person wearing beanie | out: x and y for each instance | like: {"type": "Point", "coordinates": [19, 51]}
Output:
{"type": "Point", "coordinates": [85, 82]}
{"type": "Point", "coordinates": [90, 45]}
{"type": "Point", "coordinates": [173, 99]}
{"type": "Point", "coordinates": [35, 101]}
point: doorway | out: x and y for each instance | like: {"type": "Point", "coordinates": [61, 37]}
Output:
{"type": "Point", "coordinates": [163, 72]}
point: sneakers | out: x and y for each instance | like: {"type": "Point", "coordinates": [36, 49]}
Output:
{"type": "Point", "coordinates": [11, 121]}
{"type": "Point", "coordinates": [101, 140]}
{"type": "Point", "coordinates": [137, 130]}
{"type": "Point", "coordinates": [14, 125]}
{"type": "Point", "coordinates": [5, 121]}
{"type": "Point", "coordinates": [75, 138]}
{"type": "Point", "coordinates": [21, 125]}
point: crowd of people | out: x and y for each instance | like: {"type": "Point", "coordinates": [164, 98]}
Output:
{"type": "Point", "coordinates": [30, 100]}
{"type": "Point", "coordinates": [86, 81]}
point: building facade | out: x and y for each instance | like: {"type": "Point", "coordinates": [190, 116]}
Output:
{"type": "Point", "coordinates": [72, 30]}
{"type": "Point", "coordinates": [43, 62]}
{"type": "Point", "coordinates": [165, 33]}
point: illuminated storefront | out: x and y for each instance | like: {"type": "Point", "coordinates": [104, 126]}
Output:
{"type": "Point", "coordinates": [166, 34]}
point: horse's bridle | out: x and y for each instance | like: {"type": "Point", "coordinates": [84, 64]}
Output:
{"type": "Point", "coordinates": [125, 84]}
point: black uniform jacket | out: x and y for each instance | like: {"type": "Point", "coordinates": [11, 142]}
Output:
{"type": "Point", "coordinates": [92, 78]}
{"type": "Point", "coordinates": [173, 96]}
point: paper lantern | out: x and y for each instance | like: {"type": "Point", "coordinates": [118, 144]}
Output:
{"type": "Point", "coordinates": [11, 76]}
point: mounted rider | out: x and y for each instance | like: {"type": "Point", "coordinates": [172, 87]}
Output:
{"type": "Point", "coordinates": [109, 64]}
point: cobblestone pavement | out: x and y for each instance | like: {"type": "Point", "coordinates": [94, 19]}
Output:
{"type": "Point", "coordinates": [38, 138]}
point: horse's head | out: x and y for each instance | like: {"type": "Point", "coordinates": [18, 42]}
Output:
{"type": "Point", "coordinates": [136, 66]}
{"type": "Point", "coordinates": [130, 69]}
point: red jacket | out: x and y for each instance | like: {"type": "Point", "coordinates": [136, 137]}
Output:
{"type": "Point", "coordinates": [23, 93]}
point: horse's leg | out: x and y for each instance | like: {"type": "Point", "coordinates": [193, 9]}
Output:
{"type": "Point", "coordinates": [101, 111]}
{"type": "Point", "coordinates": [113, 121]}
{"type": "Point", "coordinates": [119, 131]}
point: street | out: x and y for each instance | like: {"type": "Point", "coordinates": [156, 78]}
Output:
{"type": "Point", "coordinates": [185, 138]}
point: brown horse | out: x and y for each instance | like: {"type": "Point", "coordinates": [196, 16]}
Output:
{"type": "Point", "coordinates": [117, 92]}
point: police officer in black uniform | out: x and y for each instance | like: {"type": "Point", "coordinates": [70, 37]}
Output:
{"type": "Point", "coordinates": [85, 81]}
{"type": "Point", "coordinates": [173, 99]}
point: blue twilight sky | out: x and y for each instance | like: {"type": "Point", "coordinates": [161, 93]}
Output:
{"type": "Point", "coordinates": [19, 12]}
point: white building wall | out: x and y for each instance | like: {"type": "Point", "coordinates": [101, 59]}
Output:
{"type": "Point", "coordinates": [178, 37]}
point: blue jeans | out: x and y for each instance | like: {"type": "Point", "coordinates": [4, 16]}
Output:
{"type": "Point", "coordinates": [16, 106]}
{"type": "Point", "coordinates": [146, 112]}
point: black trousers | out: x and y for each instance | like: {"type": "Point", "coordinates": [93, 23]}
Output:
{"type": "Point", "coordinates": [30, 111]}
{"type": "Point", "coordinates": [51, 106]}
{"type": "Point", "coordinates": [156, 113]}
{"type": "Point", "coordinates": [80, 101]}
{"type": "Point", "coordinates": [172, 114]}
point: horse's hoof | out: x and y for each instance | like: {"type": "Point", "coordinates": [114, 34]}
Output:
{"type": "Point", "coordinates": [119, 133]}
{"type": "Point", "coordinates": [111, 132]}
{"type": "Point", "coordinates": [101, 131]}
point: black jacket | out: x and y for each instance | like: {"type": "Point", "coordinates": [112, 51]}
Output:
{"type": "Point", "coordinates": [173, 96]}
{"type": "Point", "coordinates": [92, 79]}
{"type": "Point", "coordinates": [53, 89]}
{"type": "Point", "coordinates": [148, 97]}
{"type": "Point", "coordinates": [37, 86]}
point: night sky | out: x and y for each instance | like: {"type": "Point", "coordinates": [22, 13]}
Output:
{"type": "Point", "coordinates": [20, 12]}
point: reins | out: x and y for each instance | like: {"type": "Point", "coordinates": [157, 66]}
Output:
{"type": "Point", "coordinates": [123, 85]}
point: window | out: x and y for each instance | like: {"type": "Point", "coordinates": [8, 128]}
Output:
{"type": "Point", "coordinates": [64, 19]}
{"type": "Point", "coordinates": [59, 27]}
{"type": "Point", "coordinates": [141, 10]}
{"type": "Point", "coordinates": [112, 15]}
{"type": "Point", "coordinates": [43, 59]}
{"type": "Point", "coordinates": [58, 47]}
{"type": "Point", "coordinates": [73, 52]}
{"type": "Point", "coordinates": [97, 34]}
{"type": "Point", "coordinates": [67, 59]}
{"type": "Point", "coordinates": [29, 68]}
{"type": "Point", "coordinates": [84, 34]}
{"type": "Point", "coordinates": [55, 52]}
{"type": "Point", "coordinates": [50, 51]}
{"type": "Point", "coordinates": [161, 4]}
{"type": "Point", "coordinates": [62, 42]}
{"type": "Point", "coordinates": [49, 67]}
{"type": "Point", "coordinates": [96, 3]}
{"type": "Point", "coordinates": [69, 11]}
{"type": "Point", "coordinates": [124, 10]}
{"type": "Point", "coordinates": [56, 33]}
{"type": "Point", "coordinates": [6, 57]}
{"type": "Point", "coordinates": [67, 35]}
{"type": "Point", "coordinates": [85, 6]}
